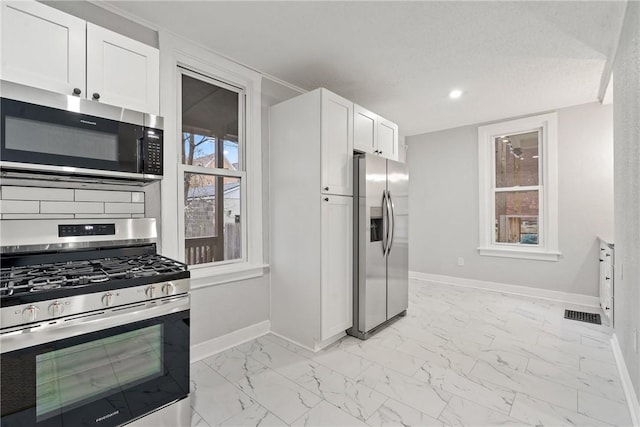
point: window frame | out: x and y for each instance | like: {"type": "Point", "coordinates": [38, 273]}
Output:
{"type": "Point", "coordinates": [178, 52]}
{"type": "Point", "coordinates": [547, 247]}
{"type": "Point", "coordinates": [241, 173]}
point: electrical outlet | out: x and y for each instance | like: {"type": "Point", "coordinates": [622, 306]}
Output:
{"type": "Point", "coordinates": [460, 261]}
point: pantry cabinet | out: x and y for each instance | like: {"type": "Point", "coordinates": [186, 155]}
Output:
{"type": "Point", "coordinates": [311, 148]}
{"type": "Point", "coordinates": [374, 134]}
{"type": "Point", "coordinates": [46, 48]}
{"type": "Point", "coordinates": [336, 290]}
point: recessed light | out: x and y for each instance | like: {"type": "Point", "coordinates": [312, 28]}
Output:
{"type": "Point", "coordinates": [455, 94]}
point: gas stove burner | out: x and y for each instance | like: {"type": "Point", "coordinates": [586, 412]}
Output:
{"type": "Point", "coordinates": [46, 283]}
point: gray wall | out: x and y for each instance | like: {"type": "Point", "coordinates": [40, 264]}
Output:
{"type": "Point", "coordinates": [626, 105]}
{"type": "Point", "coordinates": [443, 209]}
{"type": "Point", "coordinates": [222, 309]}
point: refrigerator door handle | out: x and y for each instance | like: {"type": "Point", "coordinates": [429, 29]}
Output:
{"type": "Point", "coordinates": [392, 220]}
{"type": "Point", "coordinates": [385, 223]}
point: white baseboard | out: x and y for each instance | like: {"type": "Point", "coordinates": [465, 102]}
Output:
{"type": "Point", "coordinates": [547, 294]}
{"type": "Point", "coordinates": [627, 385]}
{"type": "Point", "coordinates": [216, 345]}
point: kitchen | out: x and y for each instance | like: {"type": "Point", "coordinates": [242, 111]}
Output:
{"type": "Point", "coordinates": [234, 302]}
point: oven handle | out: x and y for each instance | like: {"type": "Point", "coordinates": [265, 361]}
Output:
{"type": "Point", "coordinates": [62, 328]}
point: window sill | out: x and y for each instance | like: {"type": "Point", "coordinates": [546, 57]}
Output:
{"type": "Point", "coordinates": [202, 277]}
{"type": "Point", "coordinates": [522, 253]}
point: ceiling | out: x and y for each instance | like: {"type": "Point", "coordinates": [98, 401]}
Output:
{"type": "Point", "coordinates": [401, 59]}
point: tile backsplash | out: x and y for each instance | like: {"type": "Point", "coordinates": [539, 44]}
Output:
{"type": "Point", "coordinates": [52, 203]}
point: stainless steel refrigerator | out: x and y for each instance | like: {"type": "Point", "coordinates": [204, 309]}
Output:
{"type": "Point", "coordinates": [381, 262]}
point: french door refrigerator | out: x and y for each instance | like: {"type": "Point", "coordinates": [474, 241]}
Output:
{"type": "Point", "coordinates": [381, 262]}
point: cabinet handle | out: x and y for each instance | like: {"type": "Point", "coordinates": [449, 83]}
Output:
{"type": "Point", "coordinates": [326, 199]}
{"type": "Point", "coordinates": [607, 278]}
{"type": "Point", "coordinates": [76, 91]}
{"type": "Point", "coordinates": [601, 260]}
{"type": "Point", "coordinates": [607, 254]}
{"type": "Point", "coordinates": [96, 96]}
{"type": "Point", "coordinates": [326, 188]}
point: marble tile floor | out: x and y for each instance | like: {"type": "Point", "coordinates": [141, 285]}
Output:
{"type": "Point", "coordinates": [461, 357]}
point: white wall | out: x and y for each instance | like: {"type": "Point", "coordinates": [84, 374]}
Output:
{"type": "Point", "coordinates": [626, 105]}
{"type": "Point", "coordinates": [443, 209]}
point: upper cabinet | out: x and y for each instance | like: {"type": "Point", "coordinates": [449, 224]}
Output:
{"type": "Point", "coordinates": [42, 47]}
{"type": "Point", "coordinates": [336, 146]}
{"type": "Point", "coordinates": [374, 134]}
{"type": "Point", "coordinates": [122, 71]}
{"type": "Point", "coordinates": [46, 48]}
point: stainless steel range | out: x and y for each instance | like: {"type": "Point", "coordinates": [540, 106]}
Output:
{"type": "Point", "coordinates": [94, 325]}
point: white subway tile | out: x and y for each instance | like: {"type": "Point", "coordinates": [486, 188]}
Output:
{"type": "Point", "coordinates": [19, 206]}
{"type": "Point", "coordinates": [103, 196]}
{"type": "Point", "coordinates": [137, 197]}
{"type": "Point", "coordinates": [71, 207]}
{"type": "Point", "coordinates": [36, 193]}
{"type": "Point", "coordinates": [124, 207]}
{"type": "Point", "coordinates": [102, 216]}
{"type": "Point", "coordinates": [37, 216]}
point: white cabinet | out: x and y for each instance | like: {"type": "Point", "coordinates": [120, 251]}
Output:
{"type": "Point", "coordinates": [387, 139]}
{"type": "Point", "coordinates": [336, 306]}
{"type": "Point", "coordinates": [46, 48]}
{"type": "Point", "coordinates": [336, 145]}
{"type": "Point", "coordinates": [310, 148]}
{"type": "Point", "coordinates": [374, 134]}
{"type": "Point", "coordinates": [606, 279]}
{"type": "Point", "coordinates": [42, 47]}
{"type": "Point", "coordinates": [122, 71]}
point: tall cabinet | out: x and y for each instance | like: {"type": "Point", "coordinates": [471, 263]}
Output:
{"type": "Point", "coordinates": [311, 153]}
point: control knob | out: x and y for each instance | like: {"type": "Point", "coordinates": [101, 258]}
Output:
{"type": "Point", "coordinates": [151, 291]}
{"type": "Point", "coordinates": [30, 313]}
{"type": "Point", "coordinates": [169, 289]}
{"type": "Point", "coordinates": [107, 299]}
{"type": "Point", "coordinates": [56, 309]}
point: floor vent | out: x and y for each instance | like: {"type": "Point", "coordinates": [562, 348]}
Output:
{"type": "Point", "coordinates": [582, 316]}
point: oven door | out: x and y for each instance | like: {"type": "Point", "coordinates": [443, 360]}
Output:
{"type": "Point", "coordinates": [134, 361]}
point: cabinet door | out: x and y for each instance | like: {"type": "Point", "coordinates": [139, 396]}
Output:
{"type": "Point", "coordinates": [365, 130]}
{"type": "Point", "coordinates": [336, 151]}
{"type": "Point", "coordinates": [42, 47]}
{"type": "Point", "coordinates": [336, 301]}
{"type": "Point", "coordinates": [124, 72]}
{"type": "Point", "coordinates": [387, 139]}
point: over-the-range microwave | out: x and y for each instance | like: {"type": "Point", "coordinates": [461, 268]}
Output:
{"type": "Point", "coordinates": [63, 135]}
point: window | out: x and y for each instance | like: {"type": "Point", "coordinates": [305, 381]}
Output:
{"type": "Point", "coordinates": [211, 192]}
{"type": "Point", "coordinates": [518, 188]}
{"type": "Point", "coordinates": [212, 170]}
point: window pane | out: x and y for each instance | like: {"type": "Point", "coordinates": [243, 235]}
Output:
{"type": "Point", "coordinates": [209, 125]}
{"type": "Point", "coordinates": [516, 159]}
{"type": "Point", "coordinates": [517, 217]}
{"type": "Point", "coordinates": [212, 224]}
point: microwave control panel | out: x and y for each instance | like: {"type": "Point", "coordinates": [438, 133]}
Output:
{"type": "Point", "coordinates": [153, 151]}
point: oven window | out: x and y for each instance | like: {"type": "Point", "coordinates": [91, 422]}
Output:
{"type": "Point", "coordinates": [42, 137]}
{"type": "Point", "coordinates": [74, 376]}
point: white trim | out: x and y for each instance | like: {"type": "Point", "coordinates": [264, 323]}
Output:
{"type": "Point", "coordinates": [627, 384]}
{"type": "Point", "coordinates": [546, 294]}
{"type": "Point", "coordinates": [547, 124]}
{"type": "Point", "coordinates": [176, 51]}
{"type": "Point", "coordinates": [521, 252]}
{"type": "Point", "coordinates": [225, 342]}
{"type": "Point", "coordinates": [211, 275]}
{"type": "Point", "coordinates": [293, 342]}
